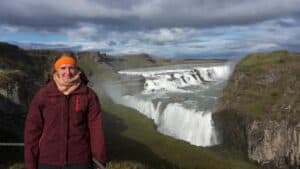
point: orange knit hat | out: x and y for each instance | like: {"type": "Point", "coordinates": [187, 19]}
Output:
{"type": "Point", "coordinates": [65, 60]}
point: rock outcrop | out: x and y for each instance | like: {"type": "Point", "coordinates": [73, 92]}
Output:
{"type": "Point", "coordinates": [274, 142]}
{"type": "Point", "coordinates": [260, 110]}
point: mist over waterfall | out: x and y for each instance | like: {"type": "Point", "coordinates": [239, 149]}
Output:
{"type": "Point", "coordinates": [179, 98]}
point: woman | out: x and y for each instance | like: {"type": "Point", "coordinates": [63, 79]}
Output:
{"type": "Point", "coordinates": [63, 127]}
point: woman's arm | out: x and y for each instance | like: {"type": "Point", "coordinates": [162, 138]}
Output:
{"type": "Point", "coordinates": [97, 140]}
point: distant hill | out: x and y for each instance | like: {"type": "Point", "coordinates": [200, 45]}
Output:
{"type": "Point", "coordinates": [41, 46]}
{"type": "Point", "coordinates": [140, 60]}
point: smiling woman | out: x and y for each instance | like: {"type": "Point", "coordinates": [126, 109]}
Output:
{"type": "Point", "coordinates": [64, 123]}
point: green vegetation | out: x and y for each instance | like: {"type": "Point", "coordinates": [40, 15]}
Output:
{"type": "Point", "coordinates": [265, 86]}
{"type": "Point", "coordinates": [111, 165]}
{"type": "Point", "coordinates": [132, 137]}
{"type": "Point", "coordinates": [255, 61]}
{"type": "Point", "coordinates": [17, 166]}
{"type": "Point", "coordinates": [18, 66]}
{"type": "Point", "coordinates": [138, 60]}
{"type": "Point", "coordinates": [14, 58]}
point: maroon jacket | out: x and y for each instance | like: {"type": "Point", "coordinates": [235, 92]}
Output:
{"type": "Point", "coordinates": [62, 130]}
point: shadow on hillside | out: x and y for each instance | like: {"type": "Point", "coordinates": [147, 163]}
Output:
{"type": "Point", "coordinates": [10, 155]}
{"type": "Point", "coordinates": [121, 148]}
{"type": "Point", "coordinates": [11, 130]}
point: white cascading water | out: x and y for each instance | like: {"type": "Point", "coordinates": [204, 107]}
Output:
{"type": "Point", "coordinates": [179, 98]}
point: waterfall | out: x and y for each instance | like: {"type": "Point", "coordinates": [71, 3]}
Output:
{"type": "Point", "coordinates": [180, 99]}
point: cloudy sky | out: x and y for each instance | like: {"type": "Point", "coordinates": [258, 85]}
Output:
{"type": "Point", "coordinates": [169, 28]}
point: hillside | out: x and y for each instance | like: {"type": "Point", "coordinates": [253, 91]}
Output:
{"type": "Point", "coordinates": [21, 74]}
{"type": "Point", "coordinates": [260, 111]}
{"type": "Point", "coordinates": [141, 60]}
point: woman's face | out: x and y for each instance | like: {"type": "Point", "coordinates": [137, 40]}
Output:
{"type": "Point", "coordinates": [67, 71]}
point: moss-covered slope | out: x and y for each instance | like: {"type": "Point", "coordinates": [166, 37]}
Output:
{"type": "Point", "coordinates": [265, 86]}
{"type": "Point", "coordinates": [259, 112]}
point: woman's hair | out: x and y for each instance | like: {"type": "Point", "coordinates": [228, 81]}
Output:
{"type": "Point", "coordinates": [49, 74]}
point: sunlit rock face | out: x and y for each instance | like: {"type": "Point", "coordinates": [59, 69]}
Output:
{"type": "Point", "coordinates": [11, 94]}
{"type": "Point", "coordinates": [274, 142]}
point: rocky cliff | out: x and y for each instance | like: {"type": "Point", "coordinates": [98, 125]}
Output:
{"type": "Point", "coordinates": [275, 142]}
{"type": "Point", "coordinates": [21, 74]}
{"type": "Point", "coordinates": [260, 109]}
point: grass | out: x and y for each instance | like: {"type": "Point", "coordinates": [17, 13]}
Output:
{"type": "Point", "coordinates": [263, 59]}
{"type": "Point", "coordinates": [111, 165]}
{"type": "Point", "coordinates": [132, 137]}
{"type": "Point", "coordinates": [265, 86]}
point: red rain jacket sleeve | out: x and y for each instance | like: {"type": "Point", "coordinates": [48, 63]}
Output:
{"type": "Point", "coordinates": [32, 132]}
{"type": "Point", "coordinates": [98, 145]}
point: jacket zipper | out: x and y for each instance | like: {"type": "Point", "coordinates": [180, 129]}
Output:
{"type": "Point", "coordinates": [67, 129]}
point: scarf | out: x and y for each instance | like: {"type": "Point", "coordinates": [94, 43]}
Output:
{"type": "Point", "coordinates": [67, 86]}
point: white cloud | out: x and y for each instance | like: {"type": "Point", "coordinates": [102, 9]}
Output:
{"type": "Point", "coordinates": [83, 32]}
{"type": "Point", "coordinates": [234, 40]}
{"type": "Point", "coordinates": [133, 14]}
{"type": "Point", "coordinates": [165, 35]}
{"type": "Point", "coordinates": [167, 28]}
{"type": "Point", "coordinates": [4, 29]}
